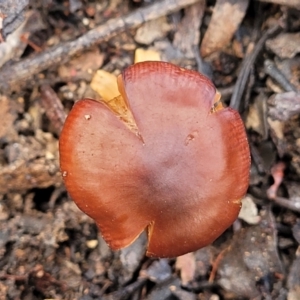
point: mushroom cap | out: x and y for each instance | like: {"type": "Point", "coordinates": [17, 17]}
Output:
{"type": "Point", "coordinates": [180, 174]}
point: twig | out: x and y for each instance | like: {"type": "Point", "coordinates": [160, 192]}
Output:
{"type": "Point", "coordinates": [226, 92]}
{"type": "Point", "coordinates": [128, 290]}
{"type": "Point", "coordinates": [275, 73]}
{"type": "Point", "coordinates": [18, 73]}
{"type": "Point", "coordinates": [246, 68]}
{"type": "Point", "coordinates": [257, 159]}
{"type": "Point", "coordinates": [202, 66]}
{"type": "Point", "coordinates": [290, 3]}
{"type": "Point", "coordinates": [215, 265]}
{"type": "Point", "coordinates": [53, 108]}
{"type": "Point", "coordinates": [289, 204]}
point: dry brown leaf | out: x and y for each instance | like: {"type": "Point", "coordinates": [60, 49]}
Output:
{"type": "Point", "coordinates": [188, 34]}
{"type": "Point", "coordinates": [83, 65]}
{"type": "Point", "coordinates": [13, 47]}
{"type": "Point", "coordinates": [253, 121]}
{"type": "Point", "coordinates": [146, 55]}
{"type": "Point", "coordinates": [249, 211]}
{"type": "Point", "coordinates": [285, 45]}
{"type": "Point", "coordinates": [7, 118]}
{"type": "Point", "coordinates": [227, 17]}
{"type": "Point", "coordinates": [105, 84]}
{"type": "Point", "coordinates": [284, 106]}
{"type": "Point", "coordinates": [152, 30]}
{"type": "Point", "coordinates": [256, 119]}
{"type": "Point", "coordinates": [293, 280]}
{"type": "Point", "coordinates": [277, 127]}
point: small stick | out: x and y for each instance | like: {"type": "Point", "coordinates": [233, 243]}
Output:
{"type": "Point", "coordinates": [215, 265]}
{"type": "Point", "coordinates": [53, 108]}
{"type": "Point", "coordinates": [271, 69]}
{"type": "Point", "coordinates": [18, 73]}
{"type": "Point", "coordinates": [290, 3]}
{"type": "Point", "coordinates": [257, 159]}
{"type": "Point", "coordinates": [246, 68]}
{"type": "Point", "coordinates": [128, 290]}
{"type": "Point", "coordinates": [289, 204]}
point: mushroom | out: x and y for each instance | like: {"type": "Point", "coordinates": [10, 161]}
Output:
{"type": "Point", "coordinates": [164, 156]}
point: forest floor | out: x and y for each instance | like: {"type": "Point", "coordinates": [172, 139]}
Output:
{"type": "Point", "coordinates": [50, 53]}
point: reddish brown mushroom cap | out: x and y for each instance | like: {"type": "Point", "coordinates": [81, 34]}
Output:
{"type": "Point", "coordinates": [179, 169]}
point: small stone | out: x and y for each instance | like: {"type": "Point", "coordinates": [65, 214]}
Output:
{"type": "Point", "coordinates": [92, 244]}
